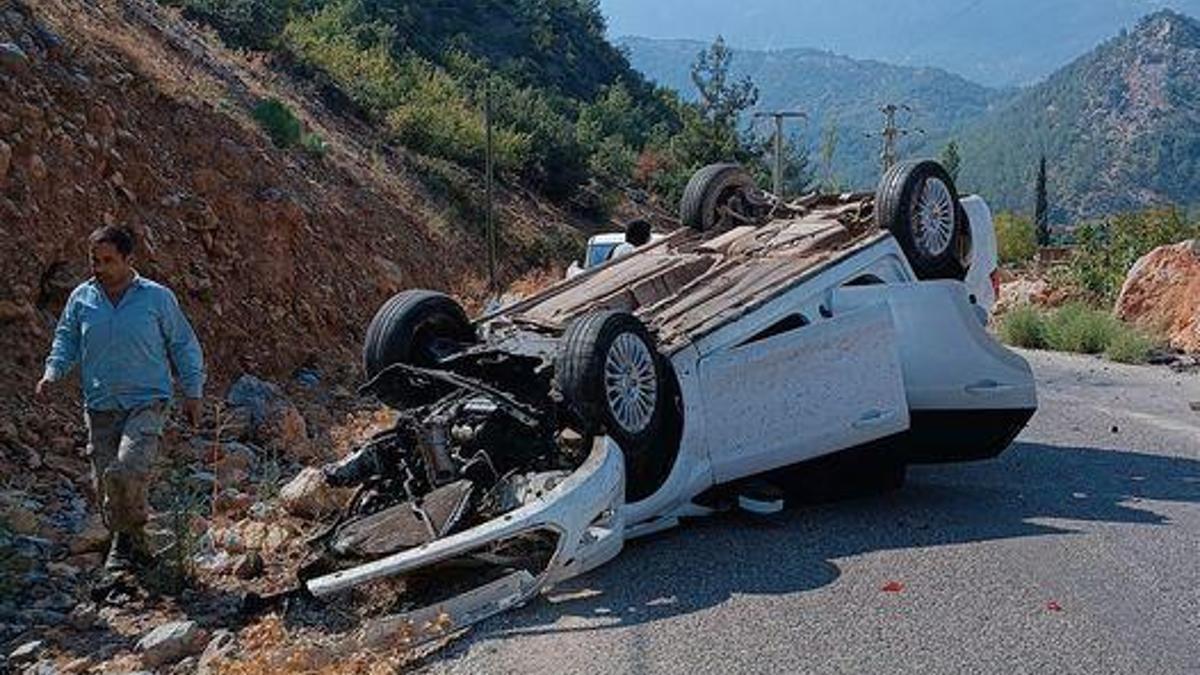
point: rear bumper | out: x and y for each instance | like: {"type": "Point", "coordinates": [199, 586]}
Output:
{"type": "Point", "coordinates": [944, 436]}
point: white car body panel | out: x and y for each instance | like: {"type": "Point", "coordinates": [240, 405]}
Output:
{"type": "Point", "coordinates": [985, 252]}
{"type": "Point", "coordinates": [853, 393]}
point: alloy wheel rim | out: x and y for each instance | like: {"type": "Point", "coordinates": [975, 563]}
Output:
{"type": "Point", "coordinates": [630, 384]}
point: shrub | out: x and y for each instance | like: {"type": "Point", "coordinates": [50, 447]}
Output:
{"type": "Point", "coordinates": [246, 24]}
{"type": "Point", "coordinates": [1075, 328]}
{"type": "Point", "coordinates": [1106, 251]}
{"type": "Point", "coordinates": [1129, 346]}
{"type": "Point", "coordinates": [1024, 327]}
{"type": "Point", "coordinates": [1016, 238]}
{"type": "Point", "coordinates": [280, 123]}
{"type": "Point", "coordinates": [314, 145]}
{"type": "Point", "coordinates": [1080, 329]}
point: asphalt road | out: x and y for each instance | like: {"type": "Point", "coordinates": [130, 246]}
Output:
{"type": "Point", "coordinates": [1077, 551]}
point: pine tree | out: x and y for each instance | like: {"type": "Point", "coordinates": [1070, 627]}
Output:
{"type": "Point", "coordinates": [951, 160]}
{"type": "Point", "coordinates": [721, 98]}
{"type": "Point", "coordinates": [1041, 215]}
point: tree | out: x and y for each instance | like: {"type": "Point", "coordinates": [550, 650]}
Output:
{"type": "Point", "coordinates": [721, 98]}
{"type": "Point", "coordinates": [951, 160]}
{"type": "Point", "coordinates": [1041, 215]}
{"type": "Point", "coordinates": [829, 143]}
{"type": "Point", "coordinates": [797, 171]}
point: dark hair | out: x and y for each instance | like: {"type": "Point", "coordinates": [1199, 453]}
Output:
{"type": "Point", "coordinates": [120, 236]}
{"type": "Point", "coordinates": [637, 232]}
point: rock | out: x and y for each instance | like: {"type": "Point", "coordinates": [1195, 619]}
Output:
{"type": "Point", "coordinates": [1162, 294]}
{"type": "Point", "coordinates": [309, 496]}
{"type": "Point", "coordinates": [12, 57]}
{"type": "Point", "coordinates": [92, 539]}
{"type": "Point", "coordinates": [44, 617]}
{"type": "Point", "coordinates": [44, 667]}
{"type": "Point", "coordinates": [79, 665]}
{"type": "Point", "coordinates": [286, 432]}
{"type": "Point", "coordinates": [250, 566]}
{"type": "Point", "coordinates": [19, 519]}
{"type": "Point", "coordinates": [222, 644]}
{"type": "Point", "coordinates": [5, 160]}
{"type": "Point", "coordinates": [83, 617]}
{"type": "Point", "coordinates": [37, 168]}
{"type": "Point", "coordinates": [259, 397]}
{"type": "Point", "coordinates": [27, 652]}
{"type": "Point", "coordinates": [16, 312]}
{"type": "Point", "coordinates": [172, 642]}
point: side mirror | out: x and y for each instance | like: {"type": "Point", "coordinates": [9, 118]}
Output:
{"type": "Point", "coordinates": [575, 269]}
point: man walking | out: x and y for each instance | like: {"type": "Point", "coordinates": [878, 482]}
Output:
{"type": "Point", "coordinates": [122, 329]}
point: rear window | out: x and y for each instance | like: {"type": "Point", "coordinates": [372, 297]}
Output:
{"type": "Point", "coordinates": [598, 253]}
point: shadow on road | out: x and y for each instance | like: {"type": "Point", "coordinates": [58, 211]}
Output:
{"type": "Point", "coordinates": [703, 563]}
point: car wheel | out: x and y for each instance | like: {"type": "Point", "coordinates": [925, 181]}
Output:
{"type": "Point", "coordinates": [416, 327]}
{"type": "Point", "coordinates": [611, 378]}
{"type": "Point", "coordinates": [917, 202]}
{"type": "Point", "coordinates": [719, 196]}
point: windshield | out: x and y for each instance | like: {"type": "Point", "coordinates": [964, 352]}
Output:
{"type": "Point", "coordinates": [598, 253]}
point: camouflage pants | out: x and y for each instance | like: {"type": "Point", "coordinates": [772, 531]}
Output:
{"type": "Point", "coordinates": [121, 446]}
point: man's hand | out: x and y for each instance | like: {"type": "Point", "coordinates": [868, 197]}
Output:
{"type": "Point", "coordinates": [40, 391]}
{"type": "Point", "coordinates": [192, 408]}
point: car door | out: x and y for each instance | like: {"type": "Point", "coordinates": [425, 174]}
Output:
{"type": "Point", "coordinates": [817, 387]}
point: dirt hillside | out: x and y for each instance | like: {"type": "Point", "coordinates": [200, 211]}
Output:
{"type": "Point", "coordinates": [116, 111]}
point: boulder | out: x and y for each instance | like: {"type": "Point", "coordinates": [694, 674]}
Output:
{"type": "Point", "coordinates": [220, 647]}
{"type": "Point", "coordinates": [12, 57]}
{"type": "Point", "coordinates": [275, 422]}
{"type": "Point", "coordinates": [172, 642]}
{"type": "Point", "coordinates": [92, 539]}
{"type": "Point", "coordinates": [27, 652]}
{"type": "Point", "coordinates": [309, 496]}
{"type": "Point", "coordinates": [1162, 294]}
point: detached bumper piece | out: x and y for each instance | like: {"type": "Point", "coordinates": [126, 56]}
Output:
{"type": "Point", "coordinates": [555, 535]}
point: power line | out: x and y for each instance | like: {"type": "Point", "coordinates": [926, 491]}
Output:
{"type": "Point", "coordinates": [891, 133]}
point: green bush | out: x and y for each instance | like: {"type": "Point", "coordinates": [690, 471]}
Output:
{"type": "Point", "coordinates": [1105, 251]}
{"type": "Point", "coordinates": [1024, 327]}
{"type": "Point", "coordinates": [1129, 346]}
{"type": "Point", "coordinates": [1075, 328]}
{"type": "Point", "coordinates": [1016, 238]}
{"type": "Point", "coordinates": [1080, 329]}
{"type": "Point", "coordinates": [246, 24]}
{"type": "Point", "coordinates": [280, 123]}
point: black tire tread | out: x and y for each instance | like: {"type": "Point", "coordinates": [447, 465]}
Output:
{"type": "Point", "coordinates": [390, 331]}
{"type": "Point", "coordinates": [891, 199]}
{"type": "Point", "coordinates": [694, 204]}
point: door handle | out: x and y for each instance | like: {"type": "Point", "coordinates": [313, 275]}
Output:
{"type": "Point", "coordinates": [874, 418]}
{"type": "Point", "coordinates": [988, 387]}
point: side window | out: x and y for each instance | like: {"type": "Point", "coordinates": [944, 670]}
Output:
{"type": "Point", "coordinates": [788, 323]}
{"type": "Point", "coordinates": [864, 280]}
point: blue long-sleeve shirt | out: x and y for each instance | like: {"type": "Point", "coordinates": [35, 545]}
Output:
{"type": "Point", "coordinates": [124, 350]}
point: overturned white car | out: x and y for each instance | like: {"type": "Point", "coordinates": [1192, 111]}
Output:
{"type": "Point", "coordinates": [827, 334]}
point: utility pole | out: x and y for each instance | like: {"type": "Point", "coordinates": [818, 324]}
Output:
{"type": "Point", "coordinates": [493, 289]}
{"type": "Point", "coordinates": [779, 116]}
{"type": "Point", "coordinates": [892, 133]}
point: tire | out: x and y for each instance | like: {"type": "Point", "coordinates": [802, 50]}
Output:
{"type": "Point", "coordinates": [917, 202]}
{"type": "Point", "coordinates": [597, 349]}
{"type": "Point", "coordinates": [708, 190]}
{"type": "Point", "coordinates": [414, 327]}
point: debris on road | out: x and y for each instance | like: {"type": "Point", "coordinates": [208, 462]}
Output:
{"type": "Point", "coordinates": [893, 587]}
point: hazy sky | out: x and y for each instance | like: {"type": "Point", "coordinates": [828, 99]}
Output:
{"type": "Point", "coordinates": [996, 42]}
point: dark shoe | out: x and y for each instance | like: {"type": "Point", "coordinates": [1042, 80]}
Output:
{"type": "Point", "coordinates": [126, 552]}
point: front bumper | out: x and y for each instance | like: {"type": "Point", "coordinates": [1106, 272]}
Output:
{"type": "Point", "coordinates": [584, 511]}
